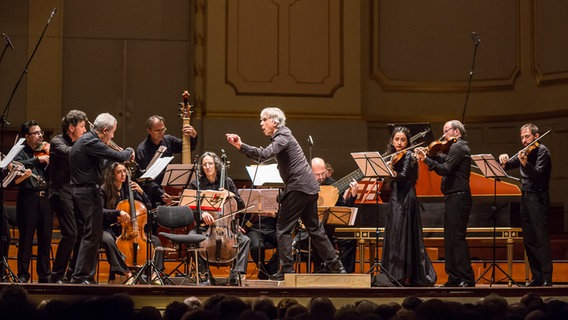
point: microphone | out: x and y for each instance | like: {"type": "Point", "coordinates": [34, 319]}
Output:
{"type": "Point", "coordinates": [8, 42]}
{"type": "Point", "coordinates": [223, 155]}
{"type": "Point", "coordinates": [475, 38]}
{"type": "Point", "coordinates": [52, 14]}
{"type": "Point", "coordinates": [310, 141]}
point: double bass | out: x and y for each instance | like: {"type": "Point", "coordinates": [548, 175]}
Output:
{"type": "Point", "coordinates": [220, 243]}
{"type": "Point", "coordinates": [132, 242]}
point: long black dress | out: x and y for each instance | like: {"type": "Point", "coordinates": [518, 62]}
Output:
{"type": "Point", "coordinates": [404, 255]}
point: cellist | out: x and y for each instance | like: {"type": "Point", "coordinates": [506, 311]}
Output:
{"type": "Point", "coordinates": [209, 166]}
{"type": "Point", "coordinates": [115, 189]}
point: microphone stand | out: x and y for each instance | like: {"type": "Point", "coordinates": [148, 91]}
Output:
{"type": "Point", "coordinates": [476, 43]}
{"type": "Point", "coordinates": [8, 44]}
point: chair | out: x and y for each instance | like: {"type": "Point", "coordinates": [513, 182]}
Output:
{"type": "Point", "coordinates": [179, 217]}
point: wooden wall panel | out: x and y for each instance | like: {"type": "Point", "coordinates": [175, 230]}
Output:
{"type": "Point", "coordinates": [413, 51]}
{"type": "Point", "coordinates": [284, 47]}
{"type": "Point", "coordinates": [550, 47]}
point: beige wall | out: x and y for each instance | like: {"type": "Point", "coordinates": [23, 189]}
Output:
{"type": "Point", "coordinates": [340, 69]}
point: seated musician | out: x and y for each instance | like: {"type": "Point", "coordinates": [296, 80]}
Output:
{"type": "Point", "coordinates": [210, 168]}
{"type": "Point", "coordinates": [262, 232]}
{"type": "Point", "coordinates": [114, 190]}
{"type": "Point", "coordinates": [347, 247]}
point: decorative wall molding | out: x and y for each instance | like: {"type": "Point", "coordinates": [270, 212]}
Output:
{"type": "Point", "coordinates": [411, 52]}
{"type": "Point", "coordinates": [285, 47]}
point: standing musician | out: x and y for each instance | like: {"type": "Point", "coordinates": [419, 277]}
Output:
{"type": "Point", "coordinates": [455, 169]}
{"type": "Point", "coordinates": [32, 207]}
{"type": "Point", "coordinates": [210, 165]}
{"type": "Point", "coordinates": [300, 195]}
{"type": "Point", "coordinates": [156, 129]}
{"type": "Point", "coordinates": [535, 166]}
{"type": "Point", "coordinates": [60, 190]}
{"type": "Point", "coordinates": [87, 158]}
{"type": "Point", "coordinates": [404, 254]}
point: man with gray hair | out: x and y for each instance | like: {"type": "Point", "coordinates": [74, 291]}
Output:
{"type": "Point", "coordinates": [87, 158]}
{"type": "Point", "coordinates": [455, 167]}
{"type": "Point", "coordinates": [299, 197]}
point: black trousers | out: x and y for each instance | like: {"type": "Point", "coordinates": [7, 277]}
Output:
{"type": "Point", "coordinates": [457, 260]}
{"type": "Point", "coordinates": [34, 214]}
{"type": "Point", "coordinates": [62, 203]}
{"type": "Point", "coordinates": [534, 220]}
{"type": "Point", "coordinates": [298, 205]}
{"type": "Point", "coordinates": [259, 238]}
{"type": "Point", "coordinates": [88, 202]}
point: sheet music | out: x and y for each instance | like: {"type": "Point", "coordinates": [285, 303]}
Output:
{"type": "Point", "coordinates": [266, 174]}
{"type": "Point", "coordinates": [13, 152]}
{"type": "Point", "coordinates": [158, 167]}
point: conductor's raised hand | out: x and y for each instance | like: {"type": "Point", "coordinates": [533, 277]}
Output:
{"type": "Point", "coordinates": [234, 139]}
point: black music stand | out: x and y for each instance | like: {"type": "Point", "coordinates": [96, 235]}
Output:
{"type": "Point", "coordinates": [491, 169]}
{"type": "Point", "coordinates": [149, 268]}
{"type": "Point", "coordinates": [6, 273]}
{"type": "Point", "coordinates": [374, 166]}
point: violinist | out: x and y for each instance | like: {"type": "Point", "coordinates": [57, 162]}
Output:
{"type": "Point", "coordinates": [535, 166]}
{"type": "Point", "coordinates": [87, 158]}
{"type": "Point", "coordinates": [33, 208]}
{"type": "Point", "coordinates": [210, 165]}
{"type": "Point", "coordinates": [455, 168]}
{"type": "Point", "coordinates": [404, 254]}
{"type": "Point", "coordinates": [73, 126]}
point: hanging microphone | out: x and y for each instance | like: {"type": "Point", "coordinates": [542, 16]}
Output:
{"type": "Point", "coordinates": [8, 40]}
{"type": "Point", "coordinates": [310, 141]}
{"type": "Point", "coordinates": [475, 38]}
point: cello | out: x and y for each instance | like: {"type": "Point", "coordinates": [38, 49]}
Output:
{"type": "Point", "coordinates": [132, 242]}
{"type": "Point", "coordinates": [220, 243]}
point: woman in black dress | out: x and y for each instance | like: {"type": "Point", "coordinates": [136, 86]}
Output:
{"type": "Point", "coordinates": [404, 255]}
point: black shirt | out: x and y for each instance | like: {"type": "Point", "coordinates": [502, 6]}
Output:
{"type": "Point", "coordinates": [293, 166]}
{"type": "Point", "coordinates": [147, 149]}
{"type": "Point", "coordinates": [87, 159]}
{"type": "Point", "coordinates": [535, 176]}
{"type": "Point", "coordinates": [59, 167]}
{"type": "Point", "coordinates": [454, 167]}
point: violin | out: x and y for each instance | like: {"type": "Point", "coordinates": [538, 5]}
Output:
{"type": "Point", "coordinates": [437, 147]}
{"type": "Point", "coordinates": [531, 146]}
{"type": "Point", "coordinates": [42, 149]}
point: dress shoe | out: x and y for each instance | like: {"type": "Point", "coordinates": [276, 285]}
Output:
{"type": "Point", "coordinates": [24, 278]}
{"type": "Point", "coordinates": [534, 283]}
{"type": "Point", "coordinates": [262, 275]}
{"type": "Point", "coordinates": [234, 279]}
{"type": "Point", "coordinates": [43, 280]}
{"type": "Point", "coordinates": [465, 284]}
{"type": "Point", "coordinates": [547, 284]}
{"type": "Point", "coordinates": [83, 281]}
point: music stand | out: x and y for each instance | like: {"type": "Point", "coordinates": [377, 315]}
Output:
{"type": "Point", "coordinates": [177, 174]}
{"type": "Point", "coordinates": [149, 267]}
{"type": "Point", "coordinates": [6, 272]}
{"type": "Point", "coordinates": [338, 216]}
{"type": "Point", "coordinates": [374, 166]}
{"type": "Point", "coordinates": [491, 169]}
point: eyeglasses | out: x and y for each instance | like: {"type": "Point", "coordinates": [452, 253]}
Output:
{"type": "Point", "coordinates": [164, 129]}
{"type": "Point", "coordinates": [36, 133]}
